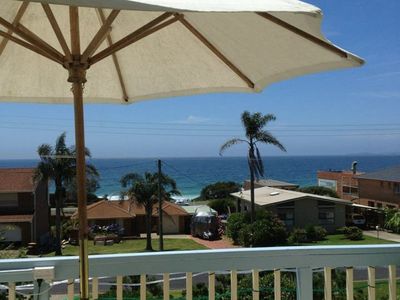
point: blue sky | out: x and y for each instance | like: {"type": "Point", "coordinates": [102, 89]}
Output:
{"type": "Point", "coordinates": [341, 112]}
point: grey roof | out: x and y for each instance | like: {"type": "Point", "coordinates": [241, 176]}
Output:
{"type": "Point", "coordinates": [274, 183]}
{"type": "Point", "coordinates": [191, 209]}
{"type": "Point", "coordinates": [390, 174]}
{"type": "Point", "coordinates": [265, 196]}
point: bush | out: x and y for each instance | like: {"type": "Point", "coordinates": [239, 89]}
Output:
{"type": "Point", "coordinates": [219, 190]}
{"type": "Point", "coordinates": [352, 233]}
{"type": "Point", "coordinates": [235, 222]}
{"type": "Point", "coordinates": [319, 190]}
{"type": "Point", "coordinates": [320, 233]}
{"type": "Point", "coordinates": [267, 230]}
{"type": "Point", "coordinates": [393, 222]}
{"type": "Point", "coordinates": [223, 206]}
{"type": "Point", "coordinates": [298, 236]}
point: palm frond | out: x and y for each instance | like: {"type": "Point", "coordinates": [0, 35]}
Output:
{"type": "Point", "coordinates": [267, 138]}
{"type": "Point", "coordinates": [45, 151]}
{"type": "Point", "coordinates": [130, 179]}
{"type": "Point", "coordinates": [260, 163]}
{"type": "Point", "coordinates": [230, 143]}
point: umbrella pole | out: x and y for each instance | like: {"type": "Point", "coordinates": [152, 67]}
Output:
{"type": "Point", "coordinates": [77, 88]}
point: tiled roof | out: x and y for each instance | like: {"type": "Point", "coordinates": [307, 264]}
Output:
{"type": "Point", "coordinates": [124, 209]}
{"type": "Point", "coordinates": [17, 180]}
{"type": "Point", "coordinates": [389, 174]}
{"type": "Point", "coordinates": [16, 218]}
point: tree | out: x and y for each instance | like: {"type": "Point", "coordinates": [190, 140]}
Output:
{"type": "Point", "coordinates": [219, 190]}
{"type": "Point", "coordinates": [144, 189]}
{"type": "Point", "coordinates": [319, 190]}
{"type": "Point", "coordinates": [255, 134]}
{"type": "Point", "coordinates": [58, 164]}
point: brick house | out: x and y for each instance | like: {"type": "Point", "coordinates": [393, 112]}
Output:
{"type": "Point", "coordinates": [344, 183]}
{"type": "Point", "coordinates": [380, 188]}
{"type": "Point", "coordinates": [24, 210]}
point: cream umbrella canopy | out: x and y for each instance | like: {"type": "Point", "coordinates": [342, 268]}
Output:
{"type": "Point", "coordinates": [124, 51]}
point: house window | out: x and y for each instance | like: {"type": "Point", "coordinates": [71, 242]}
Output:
{"type": "Point", "coordinates": [396, 188]}
{"type": "Point", "coordinates": [326, 215]}
{"type": "Point", "coordinates": [371, 203]}
{"type": "Point", "coordinates": [8, 200]}
{"type": "Point", "coordinates": [286, 215]}
{"type": "Point", "coordinates": [379, 205]}
{"type": "Point", "coordinates": [350, 190]}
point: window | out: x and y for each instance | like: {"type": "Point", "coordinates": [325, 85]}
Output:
{"type": "Point", "coordinates": [379, 205]}
{"type": "Point", "coordinates": [350, 190]}
{"type": "Point", "coordinates": [326, 215]}
{"type": "Point", "coordinates": [8, 200]}
{"type": "Point", "coordinates": [286, 215]}
{"type": "Point", "coordinates": [371, 203]}
{"type": "Point", "coordinates": [396, 188]}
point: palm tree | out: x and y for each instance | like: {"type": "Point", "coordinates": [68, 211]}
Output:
{"type": "Point", "coordinates": [58, 164]}
{"type": "Point", "coordinates": [255, 134]}
{"type": "Point", "coordinates": [145, 190]}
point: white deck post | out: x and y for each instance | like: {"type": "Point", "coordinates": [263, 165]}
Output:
{"type": "Point", "coordinates": [143, 287]}
{"type": "Point", "coordinates": [11, 291]}
{"type": "Point", "coordinates": [392, 283]}
{"type": "Point", "coordinates": [166, 286]}
{"type": "Point", "coordinates": [328, 283]}
{"type": "Point", "coordinates": [371, 283]}
{"type": "Point", "coordinates": [70, 289]}
{"type": "Point", "coordinates": [119, 288]}
{"type": "Point", "coordinates": [211, 286]}
{"type": "Point", "coordinates": [256, 284]}
{"type": "Point", "coordinates": [189, 286]}
{"type": "Point", "coordinates": [234, 291]}
{"type": "Point", "coordinates": [349, 283]}
{"type": "Point", "coordinates": [277, 285]}
{"type": "Point", "coordinates": [304, 283]}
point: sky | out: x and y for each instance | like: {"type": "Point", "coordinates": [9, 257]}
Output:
{"type": "Point", "coordinates": [351, 111]}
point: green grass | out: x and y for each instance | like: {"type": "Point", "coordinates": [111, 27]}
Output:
{"type": "Point", "coordinates": [339, 239]}
{"type": "Point", "coordinates": [133, 246]}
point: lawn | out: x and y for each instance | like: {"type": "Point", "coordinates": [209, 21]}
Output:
{"type": "Point", "coordinates": [133, 246]}
{"type": "Point", "coordinates": [339, 239]}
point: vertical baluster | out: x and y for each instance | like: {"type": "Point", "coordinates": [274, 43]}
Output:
{"type": "Point", "coordinates": [95, 288]}
{"type": "Point", "coordinates": [119, 288]}
{"type": "Point", "coordinates": [392, 282]}
{"type": "Point", "coordinates": [256, 285]}
{"type": "Point", "coordinates": [349, 283]}
{"type": "Point", "coordinates": [328, 283]}
{"type": "Point", "coordinates": [189, 286]}
{"type": "Point", "coordinates": [304, 283]}
{"type": "Point", "coordinates": [166, 286]}
{"type": "Point", "coordinates": [371, 283]}
{"type": "Point", "coordinates": [234, 291]}
{"type": "Point", "coordinates": [211, 286]}
{"type": "Point", "coordinates": [70, 289]}
{"type": "Point", "coordinates": [143, 287]}
{"type": "Point", "coordinates": [277, 285]}
{"type": "Point", "coordinates": [11, 291]}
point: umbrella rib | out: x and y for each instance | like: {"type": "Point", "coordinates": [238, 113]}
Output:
{"type": "Point", "coordinates": [18, 17]}
{"type": "Point", "coordinates": [135, 36]}
{"type": "Point", "coordinates": [100, 35]}
{"type": "Point", "coordinates": [74, 27]}
{"type": "Point", "coordinates": [114, 58]}
{"type": "Point", "coordinates": [29, 46]}
{"type": "Point", "coordinates": [57, 30]}
{"type": "Point", "coordinates": [30, 37]}
{"type": "Point", "coordinates": [218, 53]}
{"type": "Point", "coordinates": [303, 34]}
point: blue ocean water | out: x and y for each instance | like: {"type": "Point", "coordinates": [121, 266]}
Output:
{"type": "Point", "coordinates": [192, 174]}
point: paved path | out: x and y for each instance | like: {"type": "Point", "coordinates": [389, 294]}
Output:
{"type": "Point", "coordinates": [384, 235]}
{"type": "Point", "coordinates": [218, 244]}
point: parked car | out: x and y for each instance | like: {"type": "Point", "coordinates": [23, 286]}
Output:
{"type": "Point", "coordinates": [358, 220]}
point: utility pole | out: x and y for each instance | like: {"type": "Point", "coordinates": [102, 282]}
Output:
{"type": "Point", "coordinates": [160, 217]}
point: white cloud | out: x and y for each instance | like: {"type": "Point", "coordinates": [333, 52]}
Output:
{"type": "Point", "coordinates": [194, 120]}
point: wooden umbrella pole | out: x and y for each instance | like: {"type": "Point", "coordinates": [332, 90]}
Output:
{"type": "Point", "coordinates": [77, 76]}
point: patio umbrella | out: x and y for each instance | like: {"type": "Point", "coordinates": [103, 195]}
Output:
{"type": "Point", "coordinates": [124, 51]}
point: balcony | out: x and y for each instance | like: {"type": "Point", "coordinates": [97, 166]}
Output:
{"type": "Point", "coordinates": [301, 260]}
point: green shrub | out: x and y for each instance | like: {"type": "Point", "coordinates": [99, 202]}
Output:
{"type": "Point", "coordinates": [218, 190]}
{"type": "Point", "coordinates": [235, 222]}
{"type": "Point", "coordinates": [320, 233]}
{"type": "Point", "coordinates": [393, 222]}
{"type": "Point", "coordinates": [298, 236]}
{"type": "Point", "coordinates": [223, 206]}
{"type": "Point", "coordinates": [319, 190]}
{"type": "Point", "coordinates": [352, 233]}
{"type": "Point", "coordinates": [266, 231]}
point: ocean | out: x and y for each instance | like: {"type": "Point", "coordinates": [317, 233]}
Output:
{"type": "Point", "coordinates": [192, 174]}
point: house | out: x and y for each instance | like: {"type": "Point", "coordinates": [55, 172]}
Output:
{"type": "Point", "coordinates": [298, 209]}
{"type": "Point", "coordinates": [380, 189]}
{"type": "Point", "coordinates": [24, 209]}
{"type": "Point", "coordinates": [271, 183]}
{"type": "Point", "coordinates": [344, 183]}
{"type": "Point", "coordinates": [130, 215]}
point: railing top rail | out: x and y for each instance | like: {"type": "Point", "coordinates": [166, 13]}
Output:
{"type": "Point", "coordinates": [210, 260]}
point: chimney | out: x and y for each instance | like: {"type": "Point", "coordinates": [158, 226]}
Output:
{"type": "Point", "coordinates": [354, 167]}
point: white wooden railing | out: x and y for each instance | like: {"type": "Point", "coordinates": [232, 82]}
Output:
{"type": "Point", "coordinates": [303, 260]}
